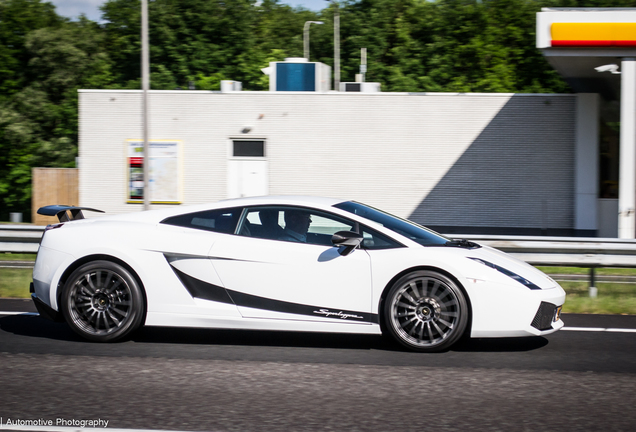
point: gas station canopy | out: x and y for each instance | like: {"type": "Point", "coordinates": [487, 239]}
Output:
{"type": "Point", "coordinates": [588, 46]}
{"type": "Point", "coordinates": [576, 41]}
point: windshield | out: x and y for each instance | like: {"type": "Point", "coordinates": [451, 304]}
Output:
{"type": "Point", "coordinates": [408, 229]}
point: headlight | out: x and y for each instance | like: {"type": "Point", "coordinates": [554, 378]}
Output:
{"type": "Point", "coordinates": [513, 275]}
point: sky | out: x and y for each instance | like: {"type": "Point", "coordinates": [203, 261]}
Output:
{"type": "Point", "coordinates": [90, 8]}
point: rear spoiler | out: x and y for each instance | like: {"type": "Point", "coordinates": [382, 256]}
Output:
{"type": "Point", "coordinates": [62, 212]}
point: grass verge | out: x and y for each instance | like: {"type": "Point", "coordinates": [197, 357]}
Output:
{"type": "Point", "coordinates": [16, 257]}
{"type": "Point", "coordinates": [14, 282]}
{"type": "Point", "coordinates": [612, 298]}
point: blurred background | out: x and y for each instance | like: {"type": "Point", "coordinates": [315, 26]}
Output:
{"type": "Point", "coordinates": [493, 152]}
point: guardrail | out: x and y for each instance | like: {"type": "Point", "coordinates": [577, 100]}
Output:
{"type": "Point", "coordinates": [564, 251]}
{"type": "Point", "coordinates": [547, 251]}
{"type": "Point", "coordinates": [20, 238]}
{"type": "Point", "coordinates": [543, 251]}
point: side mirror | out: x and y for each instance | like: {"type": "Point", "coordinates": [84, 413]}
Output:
{"type": "Point", "coordinates": [346, 241]}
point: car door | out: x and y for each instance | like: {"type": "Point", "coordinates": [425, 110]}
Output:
{"type": "Point", "coordinates": [184, 241]}
{"type": "Point", "coordinates": [269, 274]}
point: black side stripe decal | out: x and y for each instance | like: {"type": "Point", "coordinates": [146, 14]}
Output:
{"type": "Point", "coordinates": [203, 290]}
{"type": "Point", "coordinates": [252, 301]}
{"type": "Point", "coordinates": [207, 291]}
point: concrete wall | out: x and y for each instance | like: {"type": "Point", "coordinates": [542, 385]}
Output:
{"type": "Point", "coordinates": [587, 162]}
{"type": "Point", "coordinates": [497, 163]}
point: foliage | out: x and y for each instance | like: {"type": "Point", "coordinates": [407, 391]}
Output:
{"type": "Point", "coordinates": [413, 45]}
{"type": "Point", "coordinates": [17, 19]}
{"type": "Point", "coordinates": [197, 41]}
{"type": "Point", "coordinates": [38, 122]}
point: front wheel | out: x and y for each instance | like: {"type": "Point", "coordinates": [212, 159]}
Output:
{"type": "Point", "coordinates": [425, 311]}
{"type": "Point", "coordinates": [102, 301]}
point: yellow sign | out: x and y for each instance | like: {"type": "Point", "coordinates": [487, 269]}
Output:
{"type": "Point", "coordinates": [593, 34]}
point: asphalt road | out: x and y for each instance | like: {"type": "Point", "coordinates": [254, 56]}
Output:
{"type": "Point", "coordinates": [219, 380]}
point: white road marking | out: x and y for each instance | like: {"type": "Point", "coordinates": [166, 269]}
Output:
{"type": "Point", "coordinates": [20, 313]}
{"type": "Point", "coordinates": [622, 330]}
{"type": "Point", "coordinates": [73, 429]}
{"type": "Point", "coordinates": [599, 329]}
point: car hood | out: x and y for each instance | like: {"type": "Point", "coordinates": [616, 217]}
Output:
{"type": "Point", "coordinates": [514, 265]}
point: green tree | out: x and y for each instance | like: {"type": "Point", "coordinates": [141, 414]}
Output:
{"type": "Point", "coordinates": [17, 19]}
{"type": "Point", "coordinates": [447, 45]}
{"type": "Point", "coordinates": [203, 41]}
{"type": "Point", "coordinates": [38, 126]}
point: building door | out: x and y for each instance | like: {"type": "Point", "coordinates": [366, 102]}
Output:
{"type": "Point", "coordinates": [247, 169]}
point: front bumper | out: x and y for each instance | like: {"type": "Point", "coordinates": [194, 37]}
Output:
{"type": "Point", "coordinates": [503, 311]}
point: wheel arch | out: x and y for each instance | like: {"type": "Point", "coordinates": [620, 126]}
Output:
{"type": "Point", "coordinates": [446, 273]}
{"type": "Point", "coordinates": [101, 257]}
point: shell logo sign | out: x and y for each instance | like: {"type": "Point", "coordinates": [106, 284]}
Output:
{"type": "Point", "coordinates": [593, 34]}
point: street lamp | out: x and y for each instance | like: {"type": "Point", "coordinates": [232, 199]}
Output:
{"type": "Point", "coordinates": [336, 49]}
{"type": "Point", "coordinates": [145, 84]}
{"type": "Point", "coordinates": [336, 45]}
{"type": "Point", "coordinates": [306, 37]}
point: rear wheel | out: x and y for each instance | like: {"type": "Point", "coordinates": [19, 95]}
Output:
{"type": "Point", "coordinates": [425, 311]}
{"type": "Point", "coordinates": [102, 301]}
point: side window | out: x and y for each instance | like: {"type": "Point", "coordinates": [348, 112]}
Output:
{"type": "Point", "coordinates": [323, 226]}
{"type": "Point", "coordinates": [375, 240]}
{"type": "Point", "coordinates": [262, 222]}
{"type": "Point", "coordinates": [293, 224]}
{"type": "Point", "coordinates": [221, 220]}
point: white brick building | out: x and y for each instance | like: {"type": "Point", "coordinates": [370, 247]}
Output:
{"type": "Point", "coordinates": [480, 163]}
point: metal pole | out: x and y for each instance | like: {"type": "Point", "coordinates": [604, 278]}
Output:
{"type": "Point", "coordinates": [145, 82]}
{"type": "Point", "coordinates": [306, 37]}
{"type": "Point", "coordinates": [627, 164]}
{"type": "Point", "coordinates": [306, 40]}
{"type": "Point", "coordinates": [336, 53]}
{"type": "Point", "coordinates": [363, 63]}
{"type": "Point", "coordinates": [593, 290]}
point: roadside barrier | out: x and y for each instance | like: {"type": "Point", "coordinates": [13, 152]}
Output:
{"type": "Point", "coordinates": [587, 252]}
{"type": "Point", "coordinates": [20, 238]}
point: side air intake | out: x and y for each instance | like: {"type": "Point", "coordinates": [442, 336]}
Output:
{"type": "Point", "coordinates": [544, 317]}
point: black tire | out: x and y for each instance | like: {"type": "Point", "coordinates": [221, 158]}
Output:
{"type": "Point", "coordinates": [102, 301]}
{"type": "Point", "coordinates": [425, 311]}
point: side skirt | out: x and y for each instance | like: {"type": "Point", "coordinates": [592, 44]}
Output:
{"type": "Point", "coordinates": [164, 319]}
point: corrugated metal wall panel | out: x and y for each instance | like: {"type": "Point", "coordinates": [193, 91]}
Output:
{"type": "Point", "coordinates": [441, 159]}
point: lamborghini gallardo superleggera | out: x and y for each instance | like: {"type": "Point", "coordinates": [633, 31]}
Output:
{"type": "Point", "coordinates": [284, 263]}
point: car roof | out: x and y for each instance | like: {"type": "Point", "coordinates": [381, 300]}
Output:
{"type": "Point", "coordinates": [155, 216]}
{"type": "Point", "coordinates": [284, 200]}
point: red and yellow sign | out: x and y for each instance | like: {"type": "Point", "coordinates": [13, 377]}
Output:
{"type": "Point", "coordinates": [593, 34]}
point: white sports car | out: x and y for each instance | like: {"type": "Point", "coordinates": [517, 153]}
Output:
{"type": "Point", "coordinates": [284, 263]}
